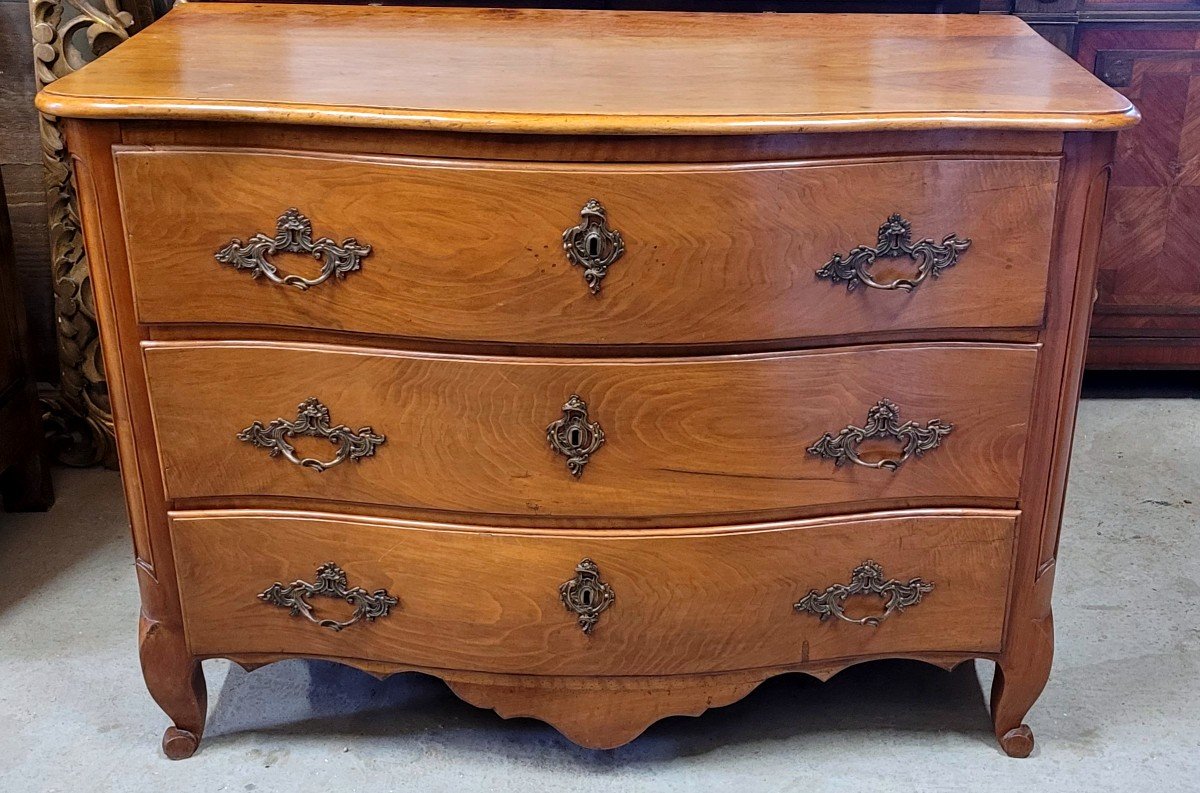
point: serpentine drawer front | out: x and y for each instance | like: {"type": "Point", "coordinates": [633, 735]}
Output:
{"type": "Point", "coordinates": [468, 434]}
{"type": "Point", "coordinates": [490, 601]}
{"type": "Point", "coordinates": [600, 364]}
{"type": "Point", "coordinates": [475, 250]}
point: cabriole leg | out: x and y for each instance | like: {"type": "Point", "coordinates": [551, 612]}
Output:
{"type": "Point", "coordinates": [1021, 674]}
{"type": "Point", "coordinates": [176, 682]}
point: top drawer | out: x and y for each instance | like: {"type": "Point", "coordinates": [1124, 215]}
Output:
{"type": "Point", "coordinates": [474, 251]}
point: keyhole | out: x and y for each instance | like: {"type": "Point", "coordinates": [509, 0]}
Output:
{"type": "Point", "coordinates": [593, 244]}
{"type": "Point", "coordinates": [575, 437]}
{"type": "Point", "coordinates": [585, 597]}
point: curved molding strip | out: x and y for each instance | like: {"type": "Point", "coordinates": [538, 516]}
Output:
{"type": "Point", "coordinates": [600, 712]}
{"type": "Point", "coordinates": [599, 717]}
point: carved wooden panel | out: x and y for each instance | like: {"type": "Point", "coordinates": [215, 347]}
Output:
{"type": "Point", "coordinates": [1149, 281]}
{"type": "Point", "coordinates": [66, 34]}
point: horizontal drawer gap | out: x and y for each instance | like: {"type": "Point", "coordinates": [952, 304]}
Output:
{"type": "Point", "coordinates": [277, 333]}
{"type": "Point", "coordinates": [692, 526]}
{"type": "Point", "coordinates": [573, 167]}
{"type": "Point", "coordinates": [584, 357]}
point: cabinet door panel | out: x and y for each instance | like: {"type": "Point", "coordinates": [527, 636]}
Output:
{"type": "Point", "coordinates": [1149, 275]}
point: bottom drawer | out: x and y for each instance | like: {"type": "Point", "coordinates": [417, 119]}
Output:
{"type": "Point", "coordinates": [670, 602]}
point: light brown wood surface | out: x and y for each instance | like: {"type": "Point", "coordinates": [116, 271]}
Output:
{"type": "Point", "coordinates": [593, 72]}
{"type": "Point", "coordinates": [635, 149]}
{"type": "Point", "coordinates": [714, 437]}
{"type": "Point", "coordinates": [1024, 667]}
{"type": "Point", "coordinates": [1147, 309]}
{"type": "Point", "coordinates": [606, 712]}
{"type": "Point", "coordinates": [687, 601]}
{"type": "Point", "coordinates": [683, 437]}
{"type": "Point", "coordinates": [470, 250]}
{"type": "Point", "coordinates": [602, 713]}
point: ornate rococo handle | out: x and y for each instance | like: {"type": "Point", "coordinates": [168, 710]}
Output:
{"type": "Point", "coordinates": [293, 234]}
{"type": "Point", "coordinates": [883, 421]}
{"type": "Point", "coordinates": [592, 245]}
{"type": "Point", "coordinates": [331, 583]}
{"type": "Point", "coordinates": [573, 436]}
{"type": "Point", "coordinates": [586, 595]}
{"type": "Point", "coordinates": [867, 579]}
{"type": "Point", "coordinates": [895, 240]}
{"type": "Point", "coordinates": [312, 419]}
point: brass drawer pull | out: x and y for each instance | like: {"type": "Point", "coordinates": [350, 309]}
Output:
{"type": "Point", "coordinates": [312, 419]}
{"type": "Point", "coordinates": [883, 421]}
{"type": "Point", "coordinates": [586, 594]}
{"type": "Point", "coordinates": [592, 245]}
{"type": "Point", "coordinates": [573, 436]}
{"type": "Point", "coordinates": [895, 240]}
{"type": "Point", "coordinates": [293, 234]}
{"type": "Point", "coordinates": [867, 579]}
{"type": "Point", "coordinates": [331, 583]}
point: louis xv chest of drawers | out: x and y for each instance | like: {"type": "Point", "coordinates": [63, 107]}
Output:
{"type": "Point", "coordinates": [601, 364]}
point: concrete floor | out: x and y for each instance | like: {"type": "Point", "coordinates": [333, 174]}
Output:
{"type": "Point", "coordinates": [1121, 712]}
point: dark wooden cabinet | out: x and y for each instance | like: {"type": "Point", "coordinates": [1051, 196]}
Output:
{"type": "Point", "coordinates": [24, 477]}
{"type": "Point", "coordinates": [1147, 311]}
{"type": "Point", "coordinates": [1148, 295]}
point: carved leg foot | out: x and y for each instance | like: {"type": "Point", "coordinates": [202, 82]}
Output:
{"type": "Point", "coordinates": [176, 682]}
{"type": "Point", "coordinates": [1017, 742]}
{"type": "Point", "coordinates": [179, 744]}
{"type": "Point", "coordinates": [1021, 674]}
{"type": "Point", "coordinates": [26, 486]}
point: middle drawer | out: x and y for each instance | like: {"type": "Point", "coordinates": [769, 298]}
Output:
{"type": "Point", "coordinates": [592, 438]}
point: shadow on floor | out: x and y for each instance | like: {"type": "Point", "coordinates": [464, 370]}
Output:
{"type": "Point", "coordinates": [898, 695]}
{"type": "Point", "coordinates": [38, 549]}
{"type": "Point", "coordinates": [1141, 384]}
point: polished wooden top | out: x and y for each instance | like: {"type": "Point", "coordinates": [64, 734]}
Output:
{"type": "Point", "coordinates": [591, 72]}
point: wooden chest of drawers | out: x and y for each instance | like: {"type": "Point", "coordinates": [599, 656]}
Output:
{"type": "Point", "coordinates": [603, 370]}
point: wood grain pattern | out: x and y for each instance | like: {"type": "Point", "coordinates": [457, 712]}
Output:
{"type": "Point", "coordinates": [1024, 666]}
{"type": "Point", "coordinates": [598, 72]}
{"type": "Point", "coordinates": [604, 717]}
{"type": "Point", "coordinates": [468, 250]}
{"type": "Point", "coordinates": [687, 601]}
{"type": "Point", "coordinates": [1149, 282]}
{"type": "Point", "coordinates": [1143, 352]}
{"type": "Point", "coordinates": [173, 677]}
{"type": "Point", "coordinates": [467, 434]}
{"type": "Point", "coordinates": [606, 712]}
{"type": "Point", "coordinates": [716, 440]}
